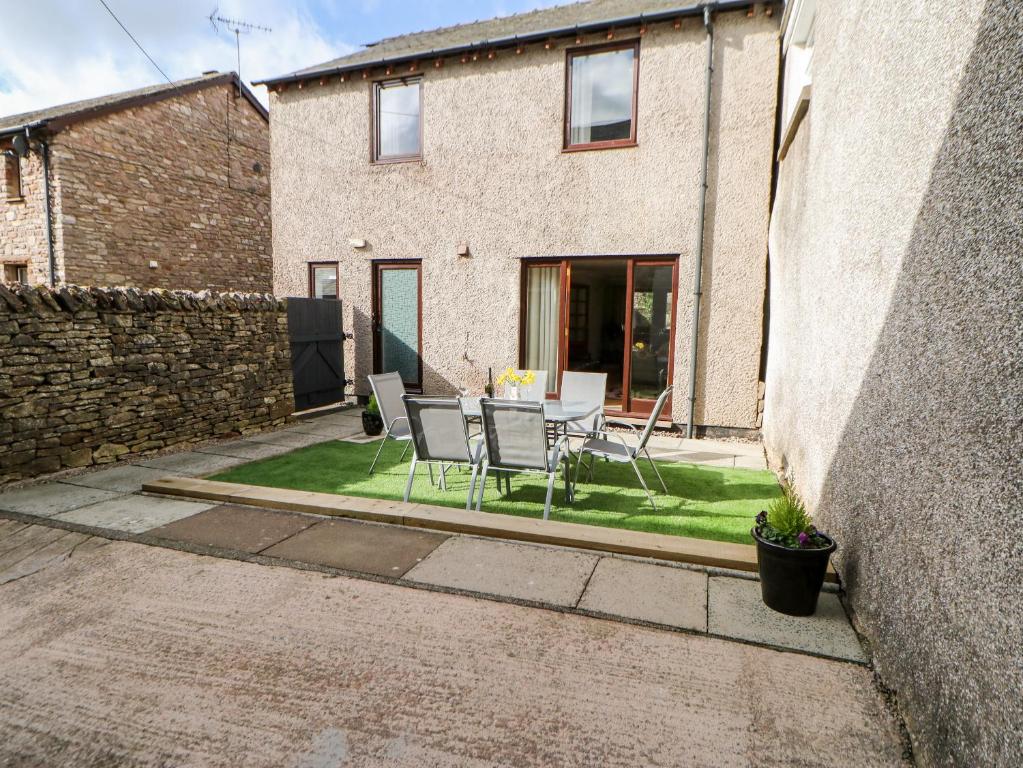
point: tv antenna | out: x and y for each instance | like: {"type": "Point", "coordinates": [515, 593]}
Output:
{"type": "Point", "coordinates": [238, 27]}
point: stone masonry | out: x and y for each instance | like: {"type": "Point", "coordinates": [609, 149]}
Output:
{"type": "Point", "coordinates": [93, 376]}
{"type": "Point", "coordinates": [170, 192]}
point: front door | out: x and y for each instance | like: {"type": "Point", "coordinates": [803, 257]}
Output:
{"type": "Point", "coordinates": [603, 315]}
{"type": "Point", "coordinates": [397, 321]}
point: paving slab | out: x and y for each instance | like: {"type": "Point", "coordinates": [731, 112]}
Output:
{"type": "Point", "coordinates": [47, 499]}
{"type": "Point", "coordinates": [673, 596]}
{"type": "Point", "coordinates": [230, 526]}
{"type": "Point", "coordinates": [735, 609]}
{"type": "Point", "coordinates": [326, 431]}
{"type": "Point", "coordinates": [26, 541]}
{"type": "Point", "coordinates": [288, 438]}
{"type": "Point", "coordinates": [192, 463]}
{"type": "Point", "coordinates": [134, 514]}
{"type": "Point", "coordinates": [58, 550]}
{"type": "Point", "coordinates": [246, 449]}
{"type": "Point", "coordinates": [123, 478]}
{"type": "Point", "coordinates": [750, 462]}
{"type": "Point", "coordinates": [383, 550]}
{"type": "Point", "coordinates": [541, 574]}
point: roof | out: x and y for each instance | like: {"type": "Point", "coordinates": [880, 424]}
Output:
{"type": "Point", "coordinates": [509, 30]}
{"type": "Point", "coordinates": [55, 118]}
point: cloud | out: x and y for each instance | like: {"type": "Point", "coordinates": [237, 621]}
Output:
{"type": "Point", "coordinates": [56, 51]}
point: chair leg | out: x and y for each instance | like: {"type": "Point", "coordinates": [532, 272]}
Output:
{"type": "Point", "coordinates": [569, 488]}
{"type": "Point", "coordinates": [430, 467]}
{"type": "Point", "coordinates": [483, 487]}
{"type": "Point", "coordinates": [472, 487]}
{"type": "Point", "coordinates": [656, 470]}
{"type": "Point", "coordinates": [404, 450]}
{"type": "Point", "coordinates": [443, 477]}
{"type": "Point", "coordinates": [578, 465]}
{"type": "Point", "coordinates": [642, 482]}
{"type": "Point", "coordinates": [411, 477]}
{"type": "Point", "coordinates": [550, 493]}
{"type": "Point", "coordinates": [375, 458]}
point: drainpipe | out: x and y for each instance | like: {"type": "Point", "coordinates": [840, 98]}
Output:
{"type": "Point", "coordinates": [698, 268]}
{"type": "Point", "coordinates": [44, 150]}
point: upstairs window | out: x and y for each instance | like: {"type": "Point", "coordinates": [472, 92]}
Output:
{"type": "Point", "coordinates": [398, 120]}
{"type": "Point", "coordinates": [12, 176]}
{"type": "Point", "coordinates": [600, 110]}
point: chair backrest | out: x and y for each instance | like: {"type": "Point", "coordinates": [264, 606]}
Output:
{"type": "Point", "coordinates": [655, 414]}
{"type": "Point", "coordinates": [537, 391]}
{"type": "Point", "coordinates": [438, 428]}
{"type": "Point", "coordinates": [514, 433]}
{"type": "Point", "coordinates": [388, 388]}
{"type": "Point", "coordinates": [589, 388]}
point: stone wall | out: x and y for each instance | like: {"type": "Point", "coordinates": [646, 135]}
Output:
{"type": "Point", "coordinates": [93, 376]}
{"type": "Point", "coordinates": [23, 222]}
{"type": "Point", "coordinates": [895, 367]}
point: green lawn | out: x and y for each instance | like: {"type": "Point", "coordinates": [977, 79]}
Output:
{"type": "Point", "coordinates": [705, 502]}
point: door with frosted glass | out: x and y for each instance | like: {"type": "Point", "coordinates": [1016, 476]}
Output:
{"type": "Point", "coordinates": [397, 322]}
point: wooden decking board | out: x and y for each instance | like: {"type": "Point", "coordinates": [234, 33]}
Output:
{"type": "Point", "coordinates": [660, 546]}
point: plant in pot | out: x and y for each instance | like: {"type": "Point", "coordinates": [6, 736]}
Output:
{"type": "Point", "coordinates": [792, 556]}
{"type": "Point", "coordinates": [372, 424]}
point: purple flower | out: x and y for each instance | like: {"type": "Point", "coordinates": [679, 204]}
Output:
{"type": "Point", "coordinates": [804, 539]}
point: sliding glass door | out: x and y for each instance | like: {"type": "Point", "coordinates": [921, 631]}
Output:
{"type": "Point", "coordinates": [603, 315]}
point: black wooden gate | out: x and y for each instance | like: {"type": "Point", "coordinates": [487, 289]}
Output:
{"type": "Point", "coordinates": [317, 352]}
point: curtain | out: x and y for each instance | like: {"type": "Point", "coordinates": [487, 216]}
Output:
{"type": "Point", "coordinates": [582, 99]}
{"type": "Point", "coordinates": [542, 289]}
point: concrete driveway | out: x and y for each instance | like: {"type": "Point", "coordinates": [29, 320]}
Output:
{"type": "Point", "coordinates": [116, 653]}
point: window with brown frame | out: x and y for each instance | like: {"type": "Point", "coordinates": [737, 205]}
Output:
{"type": "Point", "coordinates": [323, 280]}
{"type": "Point", "coordinates": [601, 96]}
{"type": "Point", "coordinates": [16, 273]}
{"type": "Point", "coordinates": [12, 176]}
{"type": "Point", "coordinates": [398, 120]}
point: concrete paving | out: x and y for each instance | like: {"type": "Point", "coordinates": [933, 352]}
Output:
{"type": "Point", "coordinates": [191, 463]}
{"type": "Point", "coordinates": [656, 593]}
{"type": "Point", "coordinates": [350, 545]}
{"type": "Point", "coordinates": [229, 526]}
{"type": "Point", "coordinates": [122, 478]}
{"type": "Point", "coordinates": [287, 438]}
{"type": "Point", "coordinates": [246, 449]}
{"type": "Point", "coordinates": [133, 655]}
{"type": "Point", "coordinates": [133, 514]}
{"type": "Point", "coordinates": [736, 609]}
{"type": "Point", "coordinates": [47, 499]}
{"type": "Point", "coordinates": [520, 571]}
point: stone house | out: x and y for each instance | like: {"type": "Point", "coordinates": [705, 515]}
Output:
{"type": "Point", "coordinates": [161, 187]}
{"type": "Point", "coordinates": [528, 191]}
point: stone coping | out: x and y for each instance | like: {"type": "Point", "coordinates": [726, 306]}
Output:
{"type": "Point", "coordinates": [72, 299]}
{"type": "Point", "coordinates": [718, 554]}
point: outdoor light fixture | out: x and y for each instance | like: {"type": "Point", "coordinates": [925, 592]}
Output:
{"type": "Point", "coordinates": [357, 242]}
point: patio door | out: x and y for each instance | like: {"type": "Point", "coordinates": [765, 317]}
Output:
{"type": "Point", "coordinates": [604, 315]}
{"type": "Point", "coordinates": [397, 321]}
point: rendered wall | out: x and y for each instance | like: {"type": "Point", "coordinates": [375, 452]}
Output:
{"type": "Point", "coordinates": [895, 368]}
{"type": "Point", "coordinates": [101, 375]}
{"type": "Point", "coordinates": [494, 176]}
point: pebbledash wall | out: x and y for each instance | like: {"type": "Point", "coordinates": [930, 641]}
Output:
{"type": "Point", "coordinates": [93, 376]}
{"type": "Point", "coordinates": [895, 371]}
{"type": "Point", "coordinates": [494, 176]}
{"type": "Point", "coordinates": [182, 181]}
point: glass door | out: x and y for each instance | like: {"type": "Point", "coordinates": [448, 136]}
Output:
{"type": "Point", "coordinates": [649, 325]}
{"type": "Point", "coordinates": [397, 322]}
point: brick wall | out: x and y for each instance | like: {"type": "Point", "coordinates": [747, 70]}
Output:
{"type": "Point", "coordinates": [183, 181]}
{"type": "Point", "coordinates": [93, 376]}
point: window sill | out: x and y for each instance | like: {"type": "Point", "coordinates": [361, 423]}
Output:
{"type": "Point", "coordinates": [600, 145]}
{"type": "Point", "coordinates": [397, 160]}
{"type": "Point", "coordinates": [18, 199]}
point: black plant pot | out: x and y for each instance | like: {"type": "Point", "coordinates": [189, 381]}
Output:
{"type": "Point", "coordinates": [372, 424]}
{"type": "Point", "coordinates": [791, 579]}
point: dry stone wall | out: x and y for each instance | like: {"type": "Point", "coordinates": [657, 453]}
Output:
{"type": "Point", "coordinates": [93, 376]}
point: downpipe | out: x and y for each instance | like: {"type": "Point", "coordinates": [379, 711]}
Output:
{"type": "Point", "coordinates": [698, 267]}
{"type": "Point", "coordinates": [44, 150]}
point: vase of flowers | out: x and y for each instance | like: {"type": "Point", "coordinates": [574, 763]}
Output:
{"type": "Point", "coordinates": [513, 382]}
{"type": "Point", "coordinates": [792, 556]}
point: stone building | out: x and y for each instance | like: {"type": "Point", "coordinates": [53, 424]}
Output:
{"type": "Point", "coordinates": [161, 187]}
{"type": "Point", "coordinates": [526, 191]}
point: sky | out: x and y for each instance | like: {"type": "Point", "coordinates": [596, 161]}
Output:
{"type": "Point", "coordinates": [56, 51]}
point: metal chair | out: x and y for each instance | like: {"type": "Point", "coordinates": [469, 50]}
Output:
{"type": "Point", "coordinates": [439, 436]}
{"type": "Point", "coordinates": [515, 437]}
{"type": "Point", "coordinates": [589, 388]}
{"type": "Point", "coordinates": [612, 446]}
{"type": "Point", "coordinates": [388, 389]}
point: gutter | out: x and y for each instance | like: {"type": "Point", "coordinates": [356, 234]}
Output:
{"type": "Point", "coordinates": [623, 21]}
{"type": "Point", "coordinates": [698, 267]}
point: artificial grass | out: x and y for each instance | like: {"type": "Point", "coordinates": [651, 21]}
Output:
{"type": "Point", "coordinates": [704, 502]}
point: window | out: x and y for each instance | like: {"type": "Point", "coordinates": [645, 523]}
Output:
{"type": "Point", "coordinates": [16, 273]}
{"type": "Point", "coordinates": [601, 97]}
{"type": "Point", "coordinates": [397, 119]}
{"type": "Point", "coordinates": [323, 281]}
{"type": "Point", "coordinates": [12, 176]}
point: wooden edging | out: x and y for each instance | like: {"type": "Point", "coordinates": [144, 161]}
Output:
{"type": "Point", "coordinates": [742, 557]}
